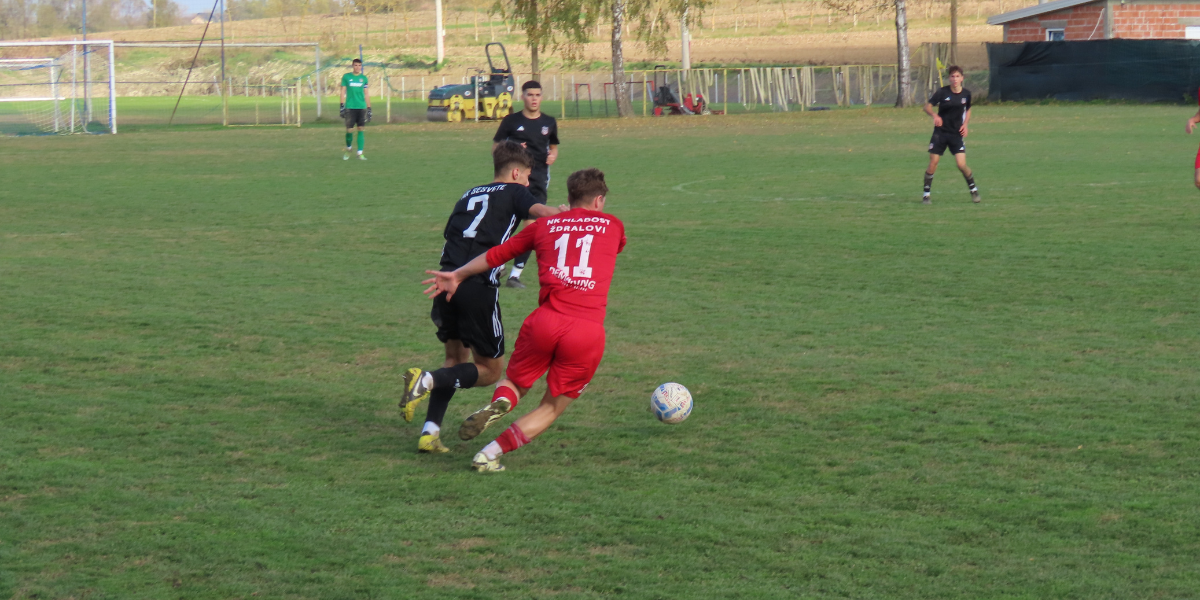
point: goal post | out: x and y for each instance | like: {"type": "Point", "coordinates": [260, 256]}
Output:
{"type": "Point", "coordinates": [57, 87]}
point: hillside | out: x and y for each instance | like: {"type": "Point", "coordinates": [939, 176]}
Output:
{"type": "Point", "coordinates": [729, 34]}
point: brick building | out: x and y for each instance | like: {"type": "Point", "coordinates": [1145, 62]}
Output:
{"type": "Point", "coordinates": [1072, 20]}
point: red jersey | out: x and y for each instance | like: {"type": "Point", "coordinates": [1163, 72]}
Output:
{"type": "Point", "coordinates": [576, 255]}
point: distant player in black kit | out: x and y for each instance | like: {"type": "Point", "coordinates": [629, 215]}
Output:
{"type": "Point", "coordinates": [949, 128]}
{"type": "Point", "coordinates": [539, 134]}
{"type": "Point", "coordinates": [469, 325]}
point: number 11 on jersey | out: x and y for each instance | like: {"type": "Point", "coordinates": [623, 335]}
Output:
{"type": "Point", "coordinates": [582, 270]}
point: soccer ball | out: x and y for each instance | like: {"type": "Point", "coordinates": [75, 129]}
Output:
{"type": "Point", "coordinates": [671, 403]}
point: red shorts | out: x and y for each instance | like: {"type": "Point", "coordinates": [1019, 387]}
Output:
{"type": "Point", "coordinates": [1198, 159]}
{"type": "Point", "coordinates": [570, 348]}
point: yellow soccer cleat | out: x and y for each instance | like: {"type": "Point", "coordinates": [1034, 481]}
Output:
{"type": "Point", "coordinates": [483, 464]}
{"type": "Point", "coordinates": [414, 392]}
{"type": "Point", "coordinates": [484, 417]}
{"type": "Point", "coordinates": [431, 443]}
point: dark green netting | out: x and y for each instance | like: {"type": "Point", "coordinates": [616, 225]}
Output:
{"type": "Point", "coordinates": [1146, 70]}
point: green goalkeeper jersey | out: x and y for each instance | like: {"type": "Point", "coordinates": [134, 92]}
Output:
{"type": "Point", "coordinates": [356, 89]}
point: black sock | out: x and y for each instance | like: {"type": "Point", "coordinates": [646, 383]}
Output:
{"type": "Point", "coordinates": [928, 182]}
{"type": "Point", "coordinates": [521, 260]}
{"type": "Point", "coordinates": [462, 375]}
{"type": "Point", "coordinates": [970, 181]}
{"type": "Point", "coordinates": [439, 400]}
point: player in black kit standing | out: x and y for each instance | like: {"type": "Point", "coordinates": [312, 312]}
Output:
{"type": "Point", "coordinates": [539, 134]}
{"type": "Point", "coordinates": [469, 325]}
{"type": "Point", "coordinates": [949, 128]}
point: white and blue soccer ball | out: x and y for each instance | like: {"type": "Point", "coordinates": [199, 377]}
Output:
{"type": "Point", "coordinates": [671, 403]}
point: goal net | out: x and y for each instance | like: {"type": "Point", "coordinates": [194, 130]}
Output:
{"type": "Point", "coordinates": [188, 83]}
{"type": "Point", "coordinates": [49, 88]}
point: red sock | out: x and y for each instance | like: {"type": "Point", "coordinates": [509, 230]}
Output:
{"type": "Point", "coordinates": [512, 438]}
{"type": "Point", "coordinates": [504, 391]}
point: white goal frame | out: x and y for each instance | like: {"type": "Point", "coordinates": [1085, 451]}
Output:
{"type": "Point", "coordinates": [112, 72]}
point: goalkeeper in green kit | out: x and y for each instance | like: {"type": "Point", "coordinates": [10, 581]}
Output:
{"type": "Point", "coordinates": [355, 107]}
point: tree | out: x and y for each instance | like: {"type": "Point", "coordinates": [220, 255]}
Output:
{"type": "Point", "coordinates": [620, 84]}
{"type": "Point", "coordinates": [559, 24]}
{"type": "Point", "coordinates": [856, 8]}
{"type": "Point", "coordinates": [653, 18]}
{"type": "Point", "coordinates": [164, 13]}
{"type": "Point", "coordinates": [903, 57]}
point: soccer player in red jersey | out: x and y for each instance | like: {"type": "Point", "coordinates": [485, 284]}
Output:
{"type": "Point", "coordinates": [1191, 124]}
{"type": "Point", "coordinates": [576, 255]}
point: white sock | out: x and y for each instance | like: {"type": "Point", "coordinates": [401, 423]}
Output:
{"type": "Point", "coordinates": [492, 451]}
{"type": "Point", "coordinates": [360, 151]}
{"type": "Point", "coordinates": [431, 428]}
{"type": "Point", "coordinates": [427, 380]}
{"type": "Point", "coordinates": [516, 272]}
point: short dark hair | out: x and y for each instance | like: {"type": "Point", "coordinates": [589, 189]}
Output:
{"type": "Point", "coordinates": [532, 84]}
{"type": "Point", "coordinates": [509, 154]}
{"type": "Point", "coordinates": [584, 186]}
{"type": "Point", "coordinates": [954, 69]}
{"type": "Point", "coordinates": [357, 60]}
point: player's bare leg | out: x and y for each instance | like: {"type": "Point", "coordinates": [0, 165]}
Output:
{"type": "Point", "coordinates": [960, 160]}
{"type": "Point", "coordinates": [541, 418]}
{"type": "Point", "coordinates": [929, 171]}
{"type": "Point", "coordinates": [523, 431]}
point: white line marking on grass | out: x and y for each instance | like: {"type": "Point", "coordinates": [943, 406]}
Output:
{"type": "Point", "coordinates": [679, 188]}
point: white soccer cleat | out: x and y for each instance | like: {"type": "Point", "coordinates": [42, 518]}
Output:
{"type": "Point", "coordinates": [483, 464]}
{"type": "Point", "coordinates": [346, 155]}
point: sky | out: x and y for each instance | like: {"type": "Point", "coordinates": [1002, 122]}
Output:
{"type": "Point", "coordinates": [191, 7]}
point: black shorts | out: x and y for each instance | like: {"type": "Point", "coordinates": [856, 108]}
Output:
{"type": "Point", "coordinates": [942, 141]}
{"type": "Point", "coordinates": [472, 316]}
{"type": "Point", "coordinates": [356, 117]}
{"type": "Point", "coordinates": [539, 180]}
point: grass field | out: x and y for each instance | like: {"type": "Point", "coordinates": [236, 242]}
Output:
{"type": "Point", "coordinates": [203, 334]}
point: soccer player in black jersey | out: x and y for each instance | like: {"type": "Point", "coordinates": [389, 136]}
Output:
{"type": "Point", "coordinates": [949, 128]}
{"type": "Point", "coordinates": [538, 133]}
{"type": "Point", "coordinates": [469, 325]}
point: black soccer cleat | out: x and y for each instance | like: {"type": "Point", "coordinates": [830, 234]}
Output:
{"type": "Point", "coordinates": [514, 282]}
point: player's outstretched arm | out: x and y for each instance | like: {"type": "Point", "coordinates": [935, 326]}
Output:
{"type": "Point", "coordinates": [538, 211]}
{"type": "Point", "coordinates": [447, 281]}
{"type": "Point", "coordinates": [1192, 122]}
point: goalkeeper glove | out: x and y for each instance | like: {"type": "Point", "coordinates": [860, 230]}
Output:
{"type": "Point", "coordinates": [368, 114]}
{"type": "Point", "coordinates": [342, 110]}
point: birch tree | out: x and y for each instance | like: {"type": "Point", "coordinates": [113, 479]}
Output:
{"type": "Point", "coordinates": [903, 55]}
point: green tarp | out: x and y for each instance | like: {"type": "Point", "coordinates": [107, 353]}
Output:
{"type": "Point", "coordinates": [1146, 70]}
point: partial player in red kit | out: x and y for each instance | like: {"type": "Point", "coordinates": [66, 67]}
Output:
{"type": "Point", "coordinates": [1191, 124]}
{"type": "Point", "coordinates": [576, 255]}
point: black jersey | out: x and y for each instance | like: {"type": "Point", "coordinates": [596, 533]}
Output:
{"type": "Point", "coordinates": [484, 218]}
{"type": "Point", "coordinates": [537, 134]}
{"type": "Point", "coordinates": [952, 108]}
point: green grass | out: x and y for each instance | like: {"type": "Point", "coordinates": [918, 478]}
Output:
{"type": "Point", "coordinates": [202, 338]}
